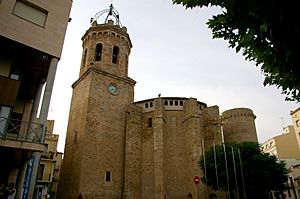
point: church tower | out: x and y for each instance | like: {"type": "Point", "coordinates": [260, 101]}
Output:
{"type": "Point", "coordinates": [95, 144]}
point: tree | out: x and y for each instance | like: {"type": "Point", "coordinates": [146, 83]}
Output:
{"type": "Point", "coordinates": [266, 31]}
{"type": "Point", "coordinates": [249, 169]}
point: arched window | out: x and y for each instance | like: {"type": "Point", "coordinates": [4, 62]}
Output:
{"type": "Point", "coordinates": [98, 52]}
{"type": "Point", "coordinates": [115, 54]}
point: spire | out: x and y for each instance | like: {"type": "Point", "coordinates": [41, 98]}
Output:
{"type": "Point", "coordinates": [111, 14]}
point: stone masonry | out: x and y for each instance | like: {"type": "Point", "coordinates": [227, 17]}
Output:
{"type": "Point", "coordinates": [118, 148]}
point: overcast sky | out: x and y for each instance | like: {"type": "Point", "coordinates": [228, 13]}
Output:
{"type": "Point", "coordinates": [173, 55]}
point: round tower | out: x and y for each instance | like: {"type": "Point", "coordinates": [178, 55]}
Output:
{"type": "Point", "coordinates": [239, 125]}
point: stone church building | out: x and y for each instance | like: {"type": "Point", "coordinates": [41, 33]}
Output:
{"type": "Point", "coordinates": [120, 149]}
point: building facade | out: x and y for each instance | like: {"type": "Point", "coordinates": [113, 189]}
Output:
{"type": "Point", "coordinates": [286, 147]}
{"type": "Point", "coordinates": [283, 146]}
{"type": "Point", "coordinates": [295, 115]}
{"type": "Point", "coordinates": [31, 37]}
{"type": "Point", "coordinates": [118, 148]}
{"type": "Point", "coordinates": [50, 164]}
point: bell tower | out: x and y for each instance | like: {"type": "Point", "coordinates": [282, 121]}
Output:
{"type": "Point", "coordinates": [94, 152]}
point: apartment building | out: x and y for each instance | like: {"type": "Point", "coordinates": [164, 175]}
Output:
{"type": "Point", "coordinates": [50, 164]}
{"type": "Point", "coordinates": [286, 147]}
{"type": "Point", "coordinates": [287, 144]}
{"type": "Point", "coordinates": [31, 39]}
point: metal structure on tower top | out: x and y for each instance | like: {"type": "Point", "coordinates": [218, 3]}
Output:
{"type": "Point", "coordinates": [112, 13]}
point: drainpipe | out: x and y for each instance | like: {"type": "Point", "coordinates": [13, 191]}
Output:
{"type": "Point", "coordinates": [43, 121]}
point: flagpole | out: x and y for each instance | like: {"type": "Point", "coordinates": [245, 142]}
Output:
{"type": "Point", "coordinates": [216, 167]}
{"type": "Point", "coordinates": [204, 161]}
{"type": "Point", "coordinates": [235, 176]}
{"type": "Point", "coordinates": [242, 174]}
{"type": "Point", "coordinates": [226, 166]}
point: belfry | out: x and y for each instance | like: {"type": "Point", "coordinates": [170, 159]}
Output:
{"type": "Point", "coordinates": [94, 151]}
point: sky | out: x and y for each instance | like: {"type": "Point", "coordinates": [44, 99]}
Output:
{"type": "Point", "coordinates": [174, 55]}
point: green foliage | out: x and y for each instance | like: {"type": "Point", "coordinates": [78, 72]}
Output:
{"type": "Point", "coordinates": [261, 172]}
{"type": "Point", "coordinates": [266, 31]}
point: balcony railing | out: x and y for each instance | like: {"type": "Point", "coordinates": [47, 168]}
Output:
{"type": "Point", "coordinates": [18, 130]}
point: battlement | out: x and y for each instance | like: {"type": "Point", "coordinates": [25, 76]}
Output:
{"type": "Point", "coordinates": [237, 112]}
{"type": "Point", "coordinates": [238, 125]}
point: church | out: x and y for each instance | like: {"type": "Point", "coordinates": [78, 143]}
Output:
{"type": "Point", "coordinates": [117, 148]}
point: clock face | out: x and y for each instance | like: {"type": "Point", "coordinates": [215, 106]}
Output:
{"type": "Point", "coordinates": [112, 89]}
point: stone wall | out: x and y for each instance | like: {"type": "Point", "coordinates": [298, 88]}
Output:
{"type": "Point", "coordinates": [74, 145]}
{"type": "Point", "coordinates": [172, 145]}
{"type": "Point", "coordinates": [133, 154]}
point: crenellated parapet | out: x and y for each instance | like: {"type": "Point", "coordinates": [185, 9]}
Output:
{"type": "Point", "coordinates": [238, 125]}
{"type": "Point", "coordinates": [237, 112]}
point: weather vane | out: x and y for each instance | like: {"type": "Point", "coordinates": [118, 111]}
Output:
{"type": "Point", "coordinates": [111, 13]}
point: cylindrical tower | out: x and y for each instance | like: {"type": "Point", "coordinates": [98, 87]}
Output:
{"type": "Point", "coordinates": [239, 125]}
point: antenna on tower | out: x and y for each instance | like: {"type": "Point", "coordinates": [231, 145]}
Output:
{"type": "Point", "coordinates": [111, 13]}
